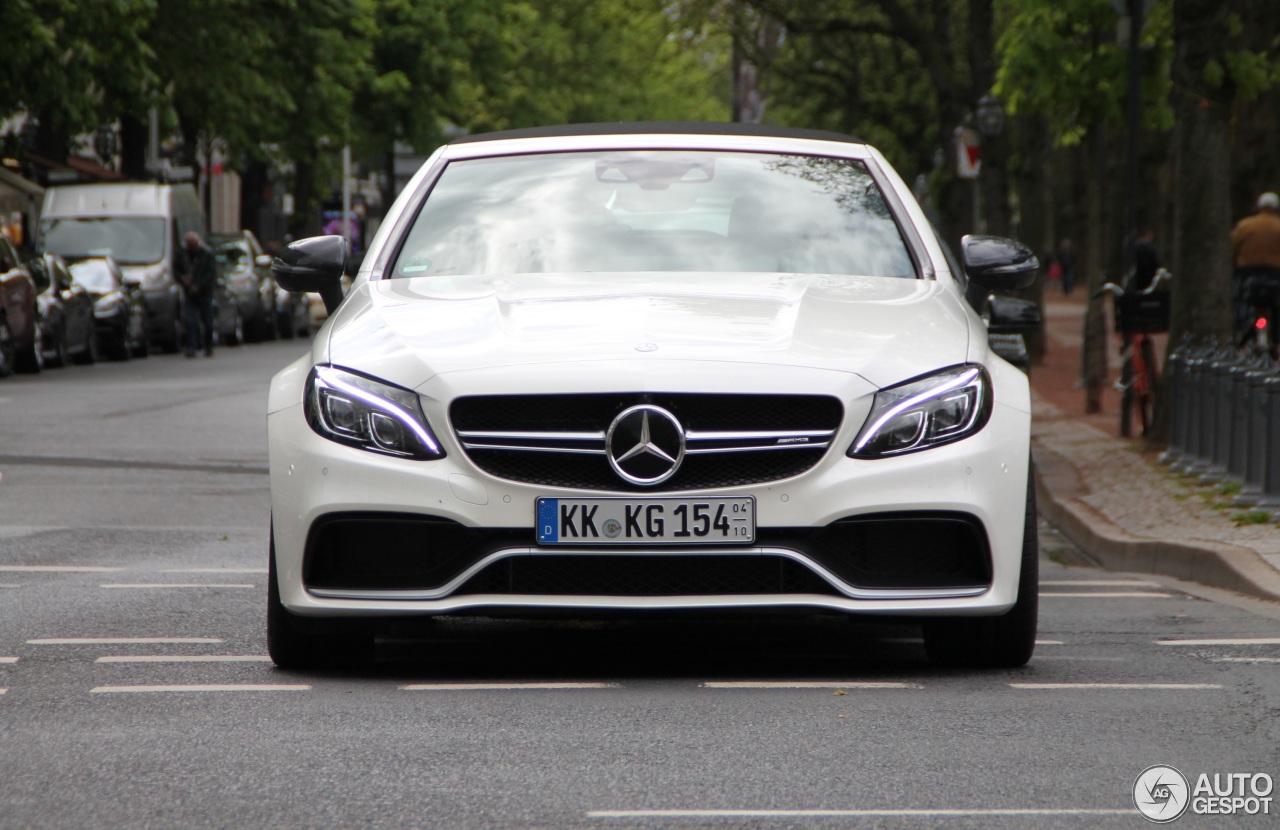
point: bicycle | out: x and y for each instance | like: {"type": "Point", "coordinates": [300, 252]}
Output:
{"type": "Point", "coordinates": [1259, 290]}
{"type": "Point", "coordinates": [1139, 314]}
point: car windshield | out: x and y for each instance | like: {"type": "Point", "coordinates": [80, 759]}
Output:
{"type": "Point", "coordinates": [662, 210]}
{"type": "Point", "coordinates": [95, 275]}
{"type": "Point", "coordinates": [130, 240]}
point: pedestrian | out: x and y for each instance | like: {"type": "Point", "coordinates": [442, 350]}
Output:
{"type": "Point", "coordinates": [1067, 260]}
{"type": "Point", "coordinates": [1146, 261]}
{"type": "Point", "coordinates": [1255, 252]}
{"type": "Point", "coordinates": [198, 278]}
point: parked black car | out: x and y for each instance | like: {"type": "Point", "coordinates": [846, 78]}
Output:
{"type": "Point", "coordinates": [65, 309]}
{"type": "Point", "coordinates": [19, 333]}
{"type": "Point", "coordinates": [120, 316]}
{"type": "Point", "coordinates": [245, 280]}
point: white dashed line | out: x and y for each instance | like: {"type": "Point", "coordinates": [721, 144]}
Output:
{"type": "Point", "coordinates": [176, 585]}
{"type": "Point", "coordinates": [214, 571]}
{"type": "Point", "coordinates": [1246, 659]}
{"type": "Point", "coordinates": [1106, 594]}
{"type": "Point", "coordinates": [4, 691]}
{"type": "Point", "coordinates": [467, 687]}
{"type": "Point", "coordinates": [807, 684]}
{"type": "Point", "coordinates": [1169, 686]}
{"type": "Point", "coordinates": [197, 658]}
{"type": "Point", "coordinates": [8, 659]}
{"type": "Point", "coordinates": [240, 687]}
{"type": "Point", "coordinates": [849, 813]}
{"type": "Point", "coordinates": [1099, 583]}
{"type": "Point", "coordinates": [60, 569]}
{"type": "Point", "coordinates": [1247, 641]}
{"type": "Point", "coordinates": [119, 641]}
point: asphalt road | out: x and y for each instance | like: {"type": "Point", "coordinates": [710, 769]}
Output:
{"type": "Point", "coordinates": [136, 692]}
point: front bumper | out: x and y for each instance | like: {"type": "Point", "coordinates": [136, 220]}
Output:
{"type": "Point", "coordinates": [356, 533]}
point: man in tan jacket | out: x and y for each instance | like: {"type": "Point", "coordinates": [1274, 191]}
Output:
{"type": "Point", "coordinates": [1255, 250]}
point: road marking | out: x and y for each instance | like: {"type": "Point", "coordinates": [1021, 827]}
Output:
{"type": "Point", "coordinates": [234, 687]}
{"type": "Point", "coordinates": [118, 641]}
{"type": "Point", "coordinates": [849, 813]}
{"type": "Point", "coordinates": [1246, 641]}
{"type": "Point", "coordinates": [1106, 594]}
{"type": "Point", "coordinates": [921, 640]}
{"type": "Point", "coordinates": [4, 691]}
{"type": "Point", "coordinates": [1170, 686]}
{"type": "Point", "coordinates": [466, 687]}
{"type": "Point", "coordinates": [214, 571]}
{"type": "Point", "coordinates": [59, 569]}
{"type": "Point", "coordinates": [8, 659]}
{"type": "Point", "coordinates": [189, 658]}
{"type": "Point", "coordinates": [1246, 660]}
{"type": "Point", "coordinates": [177, 585]}
{"type": "Point", "coordinates": [1105, 583]}
{"type": "Point", "coordinates": [807, 684]}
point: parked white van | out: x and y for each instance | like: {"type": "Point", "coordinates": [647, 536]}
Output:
{"type": "Point", "coordinates": [141, 226]}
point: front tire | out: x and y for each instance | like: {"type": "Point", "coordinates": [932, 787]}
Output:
{"type": "Point", "coordinates": [1003, 642]}
{"type": "Point", "coordinates": [294, 643]}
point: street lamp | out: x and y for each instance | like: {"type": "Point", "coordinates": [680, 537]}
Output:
{"type": "Point", "coordinates": [990, 116]}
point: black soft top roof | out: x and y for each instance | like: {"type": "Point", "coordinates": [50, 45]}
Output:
{"type": "Point", "coordinates": [661, 128]}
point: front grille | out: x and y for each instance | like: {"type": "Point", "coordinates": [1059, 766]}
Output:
{"type": "Point", "coordinates": [731, 440]}
{"type": "Point", "coordinates": [646, 576]}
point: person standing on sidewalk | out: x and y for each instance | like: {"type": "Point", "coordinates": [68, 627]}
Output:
{"type": "Point", "coordinates": [197, 282]}
{"type": "Point", "coordinates": [1255, 250]}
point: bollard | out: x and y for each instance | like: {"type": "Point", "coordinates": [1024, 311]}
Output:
{"type": "Point", "coordinates": [1270, 499]}
{"type": "Point", "coordinates": [1238, 444]}
{"type": "Point", "coordinates": [1215, 424]}
{"type": "Point", "coordinates": [1177, 369]}
{"type": "Point", "coordinates": [1259, 436]}
{"type": "Point", "coordinates": [1197, 371]}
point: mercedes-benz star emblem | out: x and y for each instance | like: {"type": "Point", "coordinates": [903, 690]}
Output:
{"type": "Point", "coordinates": [645, 445]}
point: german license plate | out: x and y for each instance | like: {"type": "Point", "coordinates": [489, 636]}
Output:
{"type": "Point", "coordinates": [646, 521]}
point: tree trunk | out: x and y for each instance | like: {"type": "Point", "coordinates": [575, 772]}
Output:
{"type": "Point", "coordinates": [1095, 327]}
{"type": "Point", "coordinates": [1202, 137]}
{"type": "Point", "coordinates": [133, 147]}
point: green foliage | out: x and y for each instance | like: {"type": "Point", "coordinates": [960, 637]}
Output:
{"type": "Point", "coordinates": [1059, 60]}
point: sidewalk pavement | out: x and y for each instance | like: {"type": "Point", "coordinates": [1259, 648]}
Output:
{"type": "Point", "coordinates": [1113, 499]}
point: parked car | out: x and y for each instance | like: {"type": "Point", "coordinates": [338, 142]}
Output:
{"type": "Point", "coordinates": [20, 347]}
{"type": "Point", "coordinates": [635, 369]}
{"type": "Point", "coordinates": [293, 314]}
{"type": "Point", "coordinates": [245, 271]}
{"type": "Point", "coordinates": [67, 323]}
{"type": "Point", "coordinates": [141, 227]}
{"type": "Point", "coordinates": [118, 310]}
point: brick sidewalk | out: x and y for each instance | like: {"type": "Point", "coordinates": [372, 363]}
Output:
{"type": "Point", "coordinates": [1118, 502]}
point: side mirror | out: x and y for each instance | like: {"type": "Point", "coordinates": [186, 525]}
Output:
{"type": "Point", "coordinates": [132, 282]}
{"type": "Point", "coordinates": [315, 264]}
{"type": "Point", "coordinates": [997, 263]}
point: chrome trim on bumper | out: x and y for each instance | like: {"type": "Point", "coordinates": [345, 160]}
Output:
{"type": "Point", "coordinates": [458, 581]}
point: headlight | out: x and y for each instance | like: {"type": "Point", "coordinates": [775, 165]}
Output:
{"type": "Point", "coordinates": [927, 412]}
{"type": "Point", "coordinates": [361, 412]}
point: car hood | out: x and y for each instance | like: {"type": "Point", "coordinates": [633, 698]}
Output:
{"type": "Point", "coordinates": [884, 329]}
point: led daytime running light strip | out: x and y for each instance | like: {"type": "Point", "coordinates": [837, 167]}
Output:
{"type": "Point", "coordinates": [923, 397]}
{"type": "Point", "coordinates": [403, 415]}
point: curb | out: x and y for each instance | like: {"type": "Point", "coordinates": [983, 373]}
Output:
{"type": "Point", "coordinates": [1059, 489]}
